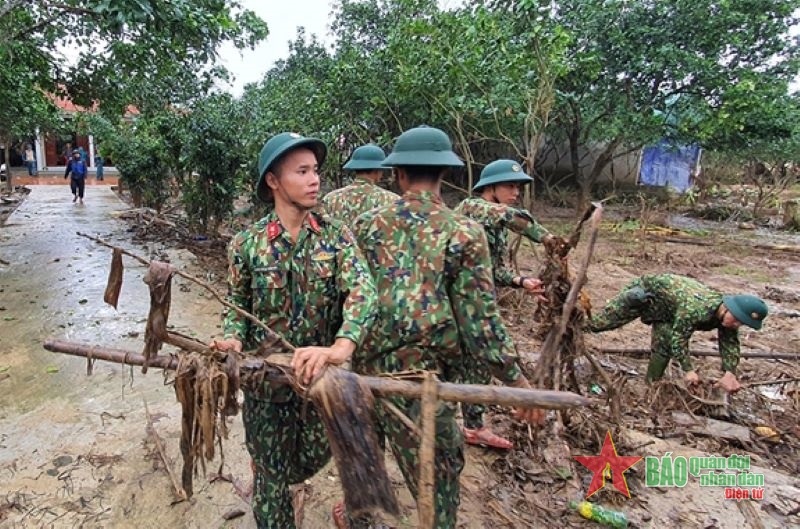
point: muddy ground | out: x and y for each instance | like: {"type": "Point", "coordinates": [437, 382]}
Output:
{"type": "Point", "coordinates": [75, 449]}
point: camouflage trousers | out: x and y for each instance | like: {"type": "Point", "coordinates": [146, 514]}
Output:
{"type": "Point", "coordinates": [405, 447]}
{"type": "Point", "coordinates": [287, 447]}
{"type": "Point", "coordinates": [473, 413]}
{"type": "Point", "coordinates": [631, 303]}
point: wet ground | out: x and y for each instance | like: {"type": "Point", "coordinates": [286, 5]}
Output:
{"type": "Point", "coordinates": [73, 448]}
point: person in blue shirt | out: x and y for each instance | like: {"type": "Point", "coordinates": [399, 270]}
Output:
{"type": "Point", "coordinates": [77, 168]}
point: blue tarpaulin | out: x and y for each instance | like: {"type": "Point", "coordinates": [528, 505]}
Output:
{"type": "Point", "coordinates": [669, 164]}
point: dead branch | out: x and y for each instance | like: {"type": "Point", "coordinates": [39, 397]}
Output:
{"type": "Point", "coordinates": [743, 354]}
{"type": "Point", "coordinates": [772, 382]}
{"type": "Point", "coordinates": [680, 240]}
{"type": "Point", "coordinates": [274, 370]}
{"type": "Point", "coordinates": [151, 430]}
{"type": "Point", "coordinates": [272, 336]}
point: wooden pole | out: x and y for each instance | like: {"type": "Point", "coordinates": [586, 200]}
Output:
{"type": "Point", "coordinates": [382, 386]}
{"type": "Point", "coordinates": [743, 354]}
{"type": "Point", "coordinates": [426, 497]}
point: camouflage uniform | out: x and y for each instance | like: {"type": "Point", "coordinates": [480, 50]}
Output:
{"type": "Point", "coordinates": [675, 306]}
{"type": "Point", "coordinates": [496, 220]}
{"type": "Point", "coordinates": [437, 308]}
{"type": "Point", "coordinates": [311, 291]}
{"type": "Point", "coordinates": [347, 203]}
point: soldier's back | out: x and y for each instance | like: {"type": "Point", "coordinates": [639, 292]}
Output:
{"type": "Point", "coordinates": [414, 248]}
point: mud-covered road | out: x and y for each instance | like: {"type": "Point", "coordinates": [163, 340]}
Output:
{"type": "Point", "coordinates": [73, 448]}
{"type": "Point", "coordinates": [75, 452]}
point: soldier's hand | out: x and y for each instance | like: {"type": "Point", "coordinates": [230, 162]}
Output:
{"type": "Point", "coordinates": [308, 362]}
{"type": "Point", "coordinates": [729, 383]}
{"type": "Point", "coordinates": [228, 344]}
{"type": "Point", "coordinates": [533, 285]}
{"type": "Point", "coordinates": [533, 416]}
{"type": "Point", "coordinates": [530, 415]}
{"type": "Point", "coordinates": [692, 378]}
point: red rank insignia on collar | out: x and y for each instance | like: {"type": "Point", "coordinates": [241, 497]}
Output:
{"type": "Point", "coordinates": [312, 221]}
{"type": "Point", "coordinates": [273, 229]}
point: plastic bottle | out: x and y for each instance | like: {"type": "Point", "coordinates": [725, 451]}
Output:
{"type": "Point", "coordinates": [599, 514]}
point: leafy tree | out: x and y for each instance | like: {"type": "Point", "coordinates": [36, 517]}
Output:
{"type": "Point", "coordinates": [632, 64]}
{"type": "Point", "coordinates": [140, 154]}
{"type": "Point", "coordinates": [213, 149]}
{"type": "Point", "coordinates": [24, 106]}
{"type": "Point", "coordinates": [147, 53]}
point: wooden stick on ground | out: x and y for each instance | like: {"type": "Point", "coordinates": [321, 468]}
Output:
{"type": "Point", "coordinates": [772, 382]}
{"type": "Point", "coordinates": [426, 498]}
{"type": "Point", "coordinates": [151, 430]}
{"type": "Point", "coordinates": [743, 354]}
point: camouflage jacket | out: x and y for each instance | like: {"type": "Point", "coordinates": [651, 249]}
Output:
{"type": "Point", "coordinates": [436, 298]}
{"type": "Point", "coordinates": [347, 203]}
{"type": "Point", "coordinates": [688, 306]}
{"type": "Point", "coordinates": [311, 291]}
{"type": "Point", "coordinates": [496, 220]}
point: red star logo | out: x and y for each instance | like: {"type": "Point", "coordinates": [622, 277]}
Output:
{"type": "Point", "coordinates": [608, 461]}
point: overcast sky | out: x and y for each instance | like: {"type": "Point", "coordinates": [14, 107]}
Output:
{"type": "Point", "coordinates": [283, 18]}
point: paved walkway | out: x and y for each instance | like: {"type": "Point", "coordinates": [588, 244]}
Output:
{"type": "Point", "coordinates": [71, 445]}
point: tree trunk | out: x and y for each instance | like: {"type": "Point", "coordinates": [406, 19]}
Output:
{"type": "Point", "coordinates": [791, 215]}
{"type": "Point", "coordinates": [575, 161]}
{"type": "Point", "coordinates": [7, 161]}
{"type": "Point", "coordinates": [603, 159]}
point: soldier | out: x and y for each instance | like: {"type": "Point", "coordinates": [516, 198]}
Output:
{"type": "Point", "coordinates": [364, 193]}
{"type": "Point", "coordinates": [676, 306]}
{"type": "Point", "coordinates": [436, 306]}
{"type": "Point", "coordinates": [499, 188]}
{"type": "Point", "coordinates": [305, 278]}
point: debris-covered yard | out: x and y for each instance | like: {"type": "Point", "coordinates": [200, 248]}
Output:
{"type": "Point", "coordinates": [85, 451]}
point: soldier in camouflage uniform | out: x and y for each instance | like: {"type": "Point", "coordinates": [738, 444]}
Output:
{"type": "Point", "coordinates": [437, 307]}
{"type": "Point", "coordinates": [364, 193]}
{"type": "Point", "coordinates": [306, 279]}
{"type": "Point", "coordinates": [499, 188]}
{"type": "Point", "coordinates": [676, 306]}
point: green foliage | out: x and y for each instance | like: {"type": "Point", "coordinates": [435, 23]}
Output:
{"type": "Point", "coordinates": [214, 150]}
{"type": "Point", "coordinates": [141, 156]}
{"type": "Point", "coordinates": [146, 53]}
{"type": "Point", "coordinates": [639, 71]}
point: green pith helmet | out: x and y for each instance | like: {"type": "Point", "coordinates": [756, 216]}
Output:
{"type": "Point", "coordinates": [423, 146]}
{"type": "Point", "coordinates": [501, 171]}
{"type": "Point", "coordinates": [750, 310]}
{"type": "Point", "coordinates": [366, 158]}
{"type": "Point", "coordinates": [279, 145]}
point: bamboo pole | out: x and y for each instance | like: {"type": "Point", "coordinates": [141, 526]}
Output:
{"type": "Point", "coordinates": [743, 354]}
{"type": "Point", "coordinates": [426, 503]}
{"type": "Point", "coordinates": [382, 386]}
